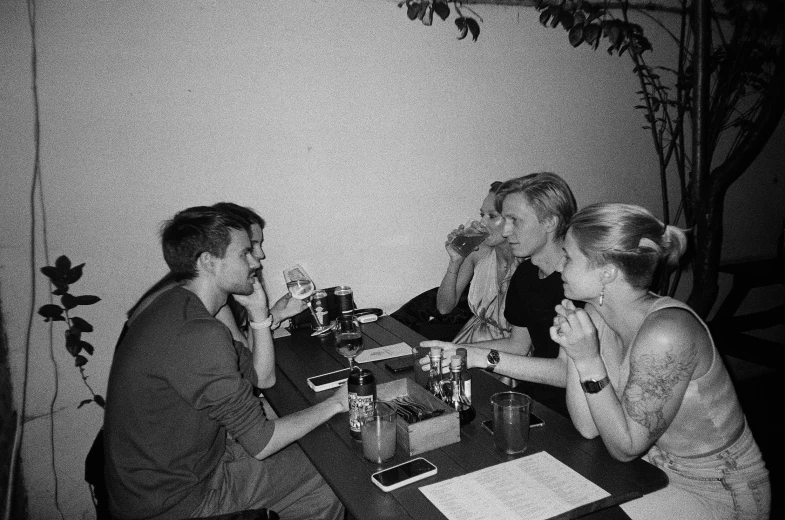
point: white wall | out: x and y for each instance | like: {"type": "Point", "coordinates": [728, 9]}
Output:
{"type": "Point", "coordinates": [361, 137]}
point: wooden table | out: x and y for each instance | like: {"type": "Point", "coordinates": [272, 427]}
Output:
{"type": "Point", "coordinates": [339, 458]}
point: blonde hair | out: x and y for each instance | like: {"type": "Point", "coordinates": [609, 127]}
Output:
{"type": "Point", "coordinates": [629, 237]}
{"type": "Point", "coordinates": [547, 193]}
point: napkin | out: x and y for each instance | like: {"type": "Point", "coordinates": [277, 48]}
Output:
{"type": "Point", "coordinates": [381, 353]}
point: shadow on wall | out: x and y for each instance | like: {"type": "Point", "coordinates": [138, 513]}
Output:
{"type": "Point", "coordinates": [7, 431]}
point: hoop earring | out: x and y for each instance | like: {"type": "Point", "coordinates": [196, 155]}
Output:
{"type": "Point", "coordinates": [602, 295]}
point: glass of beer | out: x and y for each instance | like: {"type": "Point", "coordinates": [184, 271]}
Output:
{"type": "Point", "coordinates": [469, 238]}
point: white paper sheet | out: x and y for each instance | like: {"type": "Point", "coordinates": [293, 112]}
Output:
{"type": "Point", "coordinates": [536, 487]}
{"type": "Point", "coordinates": [381, 353]}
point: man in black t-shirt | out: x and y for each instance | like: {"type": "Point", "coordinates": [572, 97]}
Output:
{"type": "Point", "coordinates": [537, 209]}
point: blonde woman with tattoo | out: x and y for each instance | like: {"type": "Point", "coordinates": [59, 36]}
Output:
{"type": "Point", "coordinates": [644, 375]}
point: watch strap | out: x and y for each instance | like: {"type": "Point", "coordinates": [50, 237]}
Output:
{"type": "Point", "coordinates": [593, 386]}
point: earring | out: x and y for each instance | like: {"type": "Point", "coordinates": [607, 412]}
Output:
{"type": "Point", "coordinates": [602, 295]}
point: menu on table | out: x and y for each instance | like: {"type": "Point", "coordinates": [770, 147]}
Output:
{"type": "Point", "coordinates": [382, 353]}
{"type": "Point", "coordinates": [536, 487]}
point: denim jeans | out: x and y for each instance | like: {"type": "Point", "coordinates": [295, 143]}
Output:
{"type": "Point", "coordinates": [730, 484]}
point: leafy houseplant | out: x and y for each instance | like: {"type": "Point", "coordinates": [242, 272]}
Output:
{"type": "Point", "coordinates": [62, 275]}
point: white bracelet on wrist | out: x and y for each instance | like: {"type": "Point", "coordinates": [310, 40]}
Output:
{"type": "Point", "coordinates": [261, 324]}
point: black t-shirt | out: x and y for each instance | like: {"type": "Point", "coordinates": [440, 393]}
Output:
{"type": "Point", "coordinates": [531, 303]}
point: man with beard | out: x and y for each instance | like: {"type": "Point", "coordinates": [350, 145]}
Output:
{"type": "Point", "coordinates": [184, 435]}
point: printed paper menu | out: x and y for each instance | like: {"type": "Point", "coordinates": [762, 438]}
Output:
{"type": "Point", "coordinates": [536, 487]}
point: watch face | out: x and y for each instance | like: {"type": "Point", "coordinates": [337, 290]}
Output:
{"type": "Point", "coordinates": [593, 387]}
{"type": "Point", "coordinates": [493, 357]}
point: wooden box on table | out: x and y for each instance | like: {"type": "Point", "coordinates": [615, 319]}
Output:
{"type": "Point", "coordinates": [428, 434]}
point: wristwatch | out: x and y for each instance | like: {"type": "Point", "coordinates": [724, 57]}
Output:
{"type": "Point", "coordinates": [592, 387]}
{"type": "Point", "coordinates": [493, 360]}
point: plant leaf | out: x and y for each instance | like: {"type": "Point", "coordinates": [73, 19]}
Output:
{"type": "Point", "coordinates": [51, 311]}
{"type": "Point", "coordinates": [80, 361]}
{"type": "Point", "coordinates": [86, 401]}
{"type": "Point", "coordinates": [61, 289]}
{"type": "Point", "coordinates": [412, 9]}
{"type": "Point", "coordinates": [87, 299]}
{"type": "Point", "coordinates": [81, 324]}
{"type": "Point", "coordinates": [566, 20]}
{"type": "Point", "coordinates": [68, 301]}
{"type": "Point", "coordinates": [423, 6]}
{"type": "Point", "coordinates": [576, 35]}
{"type": "Point", "coordinates": [72, 342]}
{"type": "Point", "coordinates": [591, 33]}
{"type": "Point", "coordinates": [427, 19]}
{"type": "Point", "coordinates": [74, 274]}
{"type": "Point", "coordinates": [63, 264]}
{"type": "Point", "coordinates": [460, 22]}
{"type": "Point", "coordinates": [474, 28]}
{"type": "Point", "coordinates": [86, 347]}
{"type": "Point", "coordinates": [545, 15]}
{"type": "Point", "coordinates": [99, 400]}
{"type": "Point", "coordinates": [441, 9]}
{"type": "Point", "coordinates": [555, 15]}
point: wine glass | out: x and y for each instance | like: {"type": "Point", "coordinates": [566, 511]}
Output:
{"type": "Point", "coordinates": [301, 287]}
{"type": "Point", "coordinates": [348, 338]}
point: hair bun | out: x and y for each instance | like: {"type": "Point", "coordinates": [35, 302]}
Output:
{"type": "Point", "coordinates": [674, 243]}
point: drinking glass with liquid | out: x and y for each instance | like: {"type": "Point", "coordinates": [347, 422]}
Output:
{"type": "Point", "coordinates": [469, 237]}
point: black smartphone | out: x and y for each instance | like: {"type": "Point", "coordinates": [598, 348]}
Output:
{"type": "Point", "coordinates": [403, 474]}
{"type": "Point", "coordinates": [399, 364]}
{"type": "Point", "coordinates": [534, 421]}
{"type": "Point", "coordinates": [329, 380]}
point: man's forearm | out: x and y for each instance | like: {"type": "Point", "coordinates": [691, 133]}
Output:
{"type": "Point", "coordinates": [263, 357]}
{"type": "Point", "coordinates": [292, 427]}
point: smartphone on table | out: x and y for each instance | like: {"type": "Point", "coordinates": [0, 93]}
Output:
{"type": "Point", "coordinates": [534, 421]}
{"type": "Point", "coordinates": [399, 364]}
{"type": "Point", "coordinates": [403, 474]}
{"type": "Point", "coordinates": [328, 380]}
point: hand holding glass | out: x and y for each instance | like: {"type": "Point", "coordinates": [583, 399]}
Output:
{"type": "Point", "coordinates": [301, 287]}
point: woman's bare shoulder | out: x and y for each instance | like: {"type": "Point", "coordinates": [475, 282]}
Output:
{"type": "Point", "coordinates": [672, 332]}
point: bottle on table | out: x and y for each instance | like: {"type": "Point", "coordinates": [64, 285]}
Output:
{"type": "Point", "coordinates": [458, 400]}
{"type": "Point", "coordinates": [466, 376]}
{"type": "Point", "coordinates": [434, 385]}
{"type": "Point", "coordinates": [362, 395]}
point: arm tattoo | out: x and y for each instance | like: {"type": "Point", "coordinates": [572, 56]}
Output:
{"type": "Point", "coordinates": [651, 383]}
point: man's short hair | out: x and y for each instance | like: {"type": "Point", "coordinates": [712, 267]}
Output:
{"type": "Point", "coordinates": [194, 231]}
{"type": "Point", "coordinates": [243, 212]}
{"type": "Point", "coordinates": [547, 193]}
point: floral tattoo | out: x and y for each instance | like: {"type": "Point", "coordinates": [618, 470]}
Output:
{"type": "Point", "coordinates": [650, 386]}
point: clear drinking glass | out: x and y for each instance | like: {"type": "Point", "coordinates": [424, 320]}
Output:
{"type": "Point", "coordinates": [378, 433]}
{"type": "Point", "coordinates": [470, 237]}
{"type": "Point", "coordinates": [348, 338]}
{"type": "Point", "coordinates": [301, 287]}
